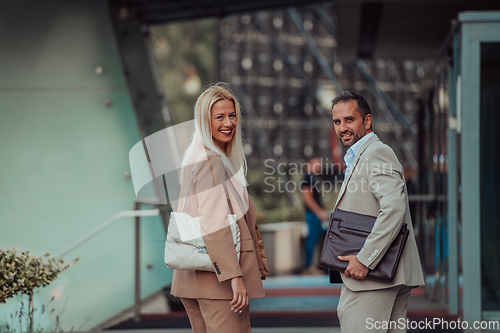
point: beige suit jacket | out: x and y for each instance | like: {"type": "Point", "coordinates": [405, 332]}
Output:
{"type": "Point", "coordinates": [374, 185]}
{"type": "Point", "coordinates": [211, 204]}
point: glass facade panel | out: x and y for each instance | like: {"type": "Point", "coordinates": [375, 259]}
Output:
{"type": "Point", "coordinates": [490, 176]}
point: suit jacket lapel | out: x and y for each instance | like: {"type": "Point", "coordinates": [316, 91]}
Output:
{"type": "Point", "coordinates": [353, 167]}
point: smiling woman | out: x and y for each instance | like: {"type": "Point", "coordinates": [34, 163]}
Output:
{"type": "Point", "coordinates": [216, 115]}
{"type": "Point", "coordinates": [224, 122]}
{"type": "Point", "coordinates": [217, 301]}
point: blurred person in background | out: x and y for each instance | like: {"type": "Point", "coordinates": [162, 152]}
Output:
{"type": "Point", "coordinates": [315, 214]}
{"type": "Point", "coordinates": [217, 301]}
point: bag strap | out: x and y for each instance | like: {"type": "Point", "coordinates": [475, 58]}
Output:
{"type": "Point", "coordinates": [189, 186]}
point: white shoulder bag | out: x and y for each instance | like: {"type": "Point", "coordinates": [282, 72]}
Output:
{"type": "Point", "coordinates": [184, 247]}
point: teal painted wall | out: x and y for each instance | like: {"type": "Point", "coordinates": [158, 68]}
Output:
{"type": "Point", "coordinates": [63, 156]}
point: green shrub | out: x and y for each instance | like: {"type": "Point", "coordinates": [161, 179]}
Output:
{"type": "Point", "coordinates": [23, 274]}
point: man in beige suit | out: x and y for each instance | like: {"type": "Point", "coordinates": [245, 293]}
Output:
{"type": "Point", "coordinates": [373, 185]}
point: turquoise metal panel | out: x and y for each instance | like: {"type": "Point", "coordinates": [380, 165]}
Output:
{"type": "Point", "coordinates": [65, 133]}
{"type": "Point", "coordinates": [58, 45]}
{"type": "Point", "coordinates": [471, 17]}
{"type": "Point", "coordinates": [474, 31]}
{"type": "Point", "coordinates": [470, 176]}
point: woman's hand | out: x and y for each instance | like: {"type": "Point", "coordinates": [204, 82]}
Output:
{"type": "Point", "coordinates": [240, 294]}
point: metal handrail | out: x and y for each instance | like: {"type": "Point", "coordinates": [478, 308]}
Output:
{"type": "Point", "coordinates": [137, 214]}
{"type": "Point", "coordinates": [105, 225]}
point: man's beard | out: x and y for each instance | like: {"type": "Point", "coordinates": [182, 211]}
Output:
{"type": "Point", "coordinates": [355, 138]}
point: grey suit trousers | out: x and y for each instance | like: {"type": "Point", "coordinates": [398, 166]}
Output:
{"type": "Point", "coordinates": [373, 311]}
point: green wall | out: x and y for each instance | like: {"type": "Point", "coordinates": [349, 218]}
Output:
{"type": "Point", "coordinates": [64, 154]}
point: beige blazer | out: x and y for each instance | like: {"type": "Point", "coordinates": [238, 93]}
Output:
{"type": "Point", "coordinates": [374, 185]}
{"type": "Point", "coordinates": [208, 200]}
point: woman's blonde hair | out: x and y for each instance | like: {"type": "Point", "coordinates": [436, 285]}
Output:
{"type": "Point", "coordinates": [203, 132]}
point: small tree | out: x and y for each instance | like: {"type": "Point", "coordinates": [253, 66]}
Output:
{"type": "Point", "coordinates": [23, 273]}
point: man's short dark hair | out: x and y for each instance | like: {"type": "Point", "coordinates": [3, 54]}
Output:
{"type": "Point", "coordinates": [346, 96]}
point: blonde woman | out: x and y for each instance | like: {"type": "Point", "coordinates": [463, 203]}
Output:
{"type": "Point", "coordinates": [217, 302]}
